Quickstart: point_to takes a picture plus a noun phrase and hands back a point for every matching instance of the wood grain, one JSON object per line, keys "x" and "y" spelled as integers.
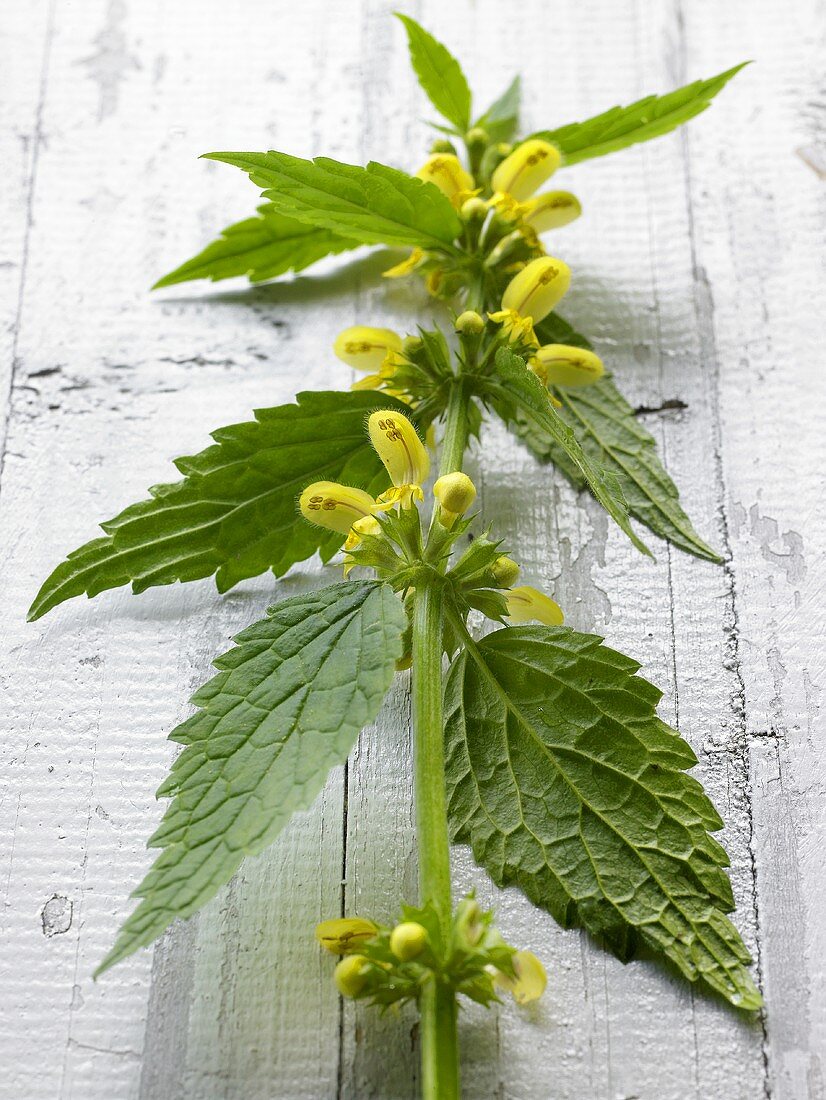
{"x": 698, "y": 272}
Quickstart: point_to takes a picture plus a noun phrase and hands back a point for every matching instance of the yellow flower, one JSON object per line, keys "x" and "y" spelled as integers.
{"x": 561, "y": 365}
{"x": 404, "y": 456}
{"x": 526, "y": 604}
{"x": 336, "y": 507}
{"x": 551, "y": 210}
{"x": 351, "y": 975}
{"x": 518, "y": 329}
{"x": 345, "y": 934}
{"x": 506, "y": 206}
{"x": 537, "y": 288}
{"x": 407, "y": 266}
{"x": 368, "y": 525}
{"x": 527, "y": 168}
{"x": 366, "y": 348}
{"x": 446, "y": 172}
{"x": 407, "y": 940}
{"x": 455, "y": 494}
{"x": 530, "y": 981}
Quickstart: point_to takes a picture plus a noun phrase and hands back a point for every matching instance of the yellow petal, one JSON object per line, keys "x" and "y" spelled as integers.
{"x": 345, "y": 934}
{"x": 369, "y": 525}
{"x": 397, "y": 444}
{"x": 527, "y": 604}
{"x": 366, "y": 348}
{"x": 551, "y": 210}
{"x": 336, "y": 507}
{"x": 406, "y": 266}
{"x": 446, "y": 172}
{"x": 537, "y": 288}
{"x": 530, "y": 981}
{"x": 519, "y": 330}
{"x": 563, "y": 365}
{"x": 527, "y": 168}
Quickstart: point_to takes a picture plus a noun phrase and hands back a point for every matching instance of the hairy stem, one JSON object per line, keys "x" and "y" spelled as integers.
{"x": 437, "y": 1005}
{"x": 456, "y": 430}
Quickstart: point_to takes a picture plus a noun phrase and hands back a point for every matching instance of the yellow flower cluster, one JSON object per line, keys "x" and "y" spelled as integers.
{"x": 351, "y": 511}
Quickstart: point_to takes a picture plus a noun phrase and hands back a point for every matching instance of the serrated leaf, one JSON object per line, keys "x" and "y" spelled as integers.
{"x": 439, "y": 73}
{"x": 372, "y": 205}
{"x": 502, "y": 117}
{"x": 643, "y": 120}
{"x": 234, "y": 514}
{"x": 285, "y": 708}
{"x": 517, "y": 392}
{"x": 565, "y": 783}
{"x": 262, "y": 247}
{"x": 612, "y": 436}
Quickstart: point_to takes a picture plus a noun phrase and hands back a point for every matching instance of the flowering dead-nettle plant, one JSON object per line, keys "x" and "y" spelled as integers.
{"x": 540, "y": 747}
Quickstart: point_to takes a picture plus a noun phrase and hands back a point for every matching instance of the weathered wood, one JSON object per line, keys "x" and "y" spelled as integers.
{"x": 697, "y": 267}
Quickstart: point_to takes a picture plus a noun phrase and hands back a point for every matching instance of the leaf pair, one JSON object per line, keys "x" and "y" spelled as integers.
{"x": 559, "y": 774}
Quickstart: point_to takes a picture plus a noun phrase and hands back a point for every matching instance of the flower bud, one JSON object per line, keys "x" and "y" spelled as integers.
{"x": 397, "y": 444}
{"x": 551, "y": 210}
{"x": 468, "y": 922}
{"x": 476, "y": 139}
{"x": 470, "y": 323}
{"x": 505, "y": 571}
{"x": 561, "y": 365}
{"x": 442, "y": 145}
{"x": 455, "y": 494}
{"x": 336, "y": 507}
{"x": 527, "y": 168}
{"x": 366, "y": 348}
{"x": 473, "y": 210}
{"x": 345, "y": 934}
{"x": 537, "y": 288}
{"x": 446, "y": 172}
{"x": 526, "y": 605}
{"x": 530, "y": 978}
{"x": 408, "y": 940}
{"x": 351, "y": 975}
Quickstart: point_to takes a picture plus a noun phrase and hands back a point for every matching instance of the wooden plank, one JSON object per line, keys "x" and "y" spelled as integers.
{"x": 759, "y": 267}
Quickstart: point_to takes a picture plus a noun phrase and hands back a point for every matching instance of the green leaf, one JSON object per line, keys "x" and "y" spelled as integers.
{"x": 372, "y": 205}
{"x": 565, "y": 783}
{"x": 234, "y": 514}
{"x": 262, "y": 247}
{"x": 502, "y": 117}
{"x": 439, "y": 73}
{"x": 613, "y": 438}
{"x": 520, "y": 396}
{"x": 285, "y": 707}
{"x": 648, "y": 118}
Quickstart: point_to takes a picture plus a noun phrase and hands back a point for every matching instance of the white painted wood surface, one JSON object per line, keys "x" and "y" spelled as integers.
{"x": 698, "y": 268}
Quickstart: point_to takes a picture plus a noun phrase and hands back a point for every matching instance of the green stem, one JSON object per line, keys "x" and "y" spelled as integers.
{"x": 456, "y": 430}
{"x": 437, "y": 1004}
